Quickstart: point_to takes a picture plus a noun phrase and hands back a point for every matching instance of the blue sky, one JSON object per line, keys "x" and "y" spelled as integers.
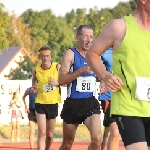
{"x": 59, "y": 7}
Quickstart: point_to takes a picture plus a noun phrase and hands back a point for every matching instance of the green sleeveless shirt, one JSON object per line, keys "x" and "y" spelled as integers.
{"x": 131, "y": 60}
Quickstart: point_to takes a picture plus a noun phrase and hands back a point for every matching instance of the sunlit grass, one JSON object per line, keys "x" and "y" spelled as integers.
{"x": 5, "y": 132}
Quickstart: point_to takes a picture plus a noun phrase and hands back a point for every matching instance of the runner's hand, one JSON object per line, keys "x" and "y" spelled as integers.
{"x": 103, "y": 88}
{"x": 53, "y": 82}
{"x": 113, "y": 83}
{"x": 27, "y": 110}
{"x": 34, "y": 89}
{"x": 87, "y": 69}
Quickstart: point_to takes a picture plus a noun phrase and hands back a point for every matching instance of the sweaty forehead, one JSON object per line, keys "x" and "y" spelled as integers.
{"x": 87, "y": 31}
{"x": 45, "y": 53}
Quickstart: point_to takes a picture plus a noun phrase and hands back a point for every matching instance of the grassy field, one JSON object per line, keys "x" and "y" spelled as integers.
{"x": 5, "y": 132}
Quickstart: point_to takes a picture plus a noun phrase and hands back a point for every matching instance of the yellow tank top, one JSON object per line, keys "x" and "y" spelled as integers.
{"x": 131, "y": 61}
{"x": 47, "y": 94}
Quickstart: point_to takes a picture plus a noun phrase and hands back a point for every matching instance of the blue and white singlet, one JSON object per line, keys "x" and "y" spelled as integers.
{"x": 85, "y": 85}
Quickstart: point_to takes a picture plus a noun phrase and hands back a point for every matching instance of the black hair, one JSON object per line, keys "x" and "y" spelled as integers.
{"x": 44, "y": 48}
{"x": 79, "y": 29}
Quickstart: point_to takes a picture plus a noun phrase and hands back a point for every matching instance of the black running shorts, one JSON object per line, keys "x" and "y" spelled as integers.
{"x": 50, "y": 110}
{"x": 77, "y": 110}
{"x": 31, "y": 115}
{"x": 106, "y": 109}
{"x": 134, "y": 129}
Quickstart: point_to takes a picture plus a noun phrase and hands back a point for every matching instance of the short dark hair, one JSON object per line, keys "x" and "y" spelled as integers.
{"x": 80, "y": 28}
{"x": 15, "y": 93}
{"x": 44, "y": 48}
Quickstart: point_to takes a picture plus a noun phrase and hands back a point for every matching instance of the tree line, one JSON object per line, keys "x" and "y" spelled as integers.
{"x": 33, "y": 29}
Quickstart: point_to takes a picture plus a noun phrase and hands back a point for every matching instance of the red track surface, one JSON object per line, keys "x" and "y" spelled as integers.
{"x": 55, "y": 146}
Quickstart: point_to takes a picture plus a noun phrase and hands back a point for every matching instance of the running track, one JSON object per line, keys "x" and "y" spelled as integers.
{"x": 55, "y": 146}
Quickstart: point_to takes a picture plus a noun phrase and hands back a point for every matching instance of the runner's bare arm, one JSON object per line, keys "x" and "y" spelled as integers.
{"x": 58, "y": 67}
{"x": 65, "y": 76}
{"x": 54, "y": 82}
{"x": 34, "y": 80}
{"x": 24, "y": 96}
{"x": 34, "y": 83}
{"x": 111, "y": 36}
{"x": 11, "y": 103}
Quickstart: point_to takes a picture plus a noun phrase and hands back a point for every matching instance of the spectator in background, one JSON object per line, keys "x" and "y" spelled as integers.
{"x": 16, "y": 116}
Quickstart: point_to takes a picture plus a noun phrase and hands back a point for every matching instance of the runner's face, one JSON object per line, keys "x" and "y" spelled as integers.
{"x": 85, "y": 40}
{"x": 45, "y": 58}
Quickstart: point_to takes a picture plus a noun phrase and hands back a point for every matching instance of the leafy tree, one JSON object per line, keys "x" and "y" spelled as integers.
{"x": 133, "y": 5}
{"x": 98, "y": 19}
{"x": 10, "y": 32}
{"x": 37, "y": 22}
{"x": 18, "y": 33}
{"x": 23, "y": 71}
{"x": 47, "y": 29}
{"x": 76, "y": 17}
{"x": 23, "y": 33}
{"x": 34, "y": 29}
{"x": 104, "y": 17}
{"x": 4, "y": 20}
{"x": 121, "y": 10}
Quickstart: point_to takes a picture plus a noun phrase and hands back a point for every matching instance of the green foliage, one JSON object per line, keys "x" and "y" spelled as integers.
{"x": 4, "y": 20}
{"x": 133, "y": 5}
{"x": 47, "y": 29}
{"x": 99, "y": 19}
{"x": 23, "y": 71}
{"x": 121, "y": 10}
{"x": 34, "y": 29}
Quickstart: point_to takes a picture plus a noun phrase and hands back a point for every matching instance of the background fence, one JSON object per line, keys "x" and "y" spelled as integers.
{"x": 7, "y": 87}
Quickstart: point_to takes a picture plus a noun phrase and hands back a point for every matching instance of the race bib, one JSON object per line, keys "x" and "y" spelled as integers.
{"x": 86, "y": 84}
{"x": 48, "y": 88}
{"x": 142, "y": 88}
